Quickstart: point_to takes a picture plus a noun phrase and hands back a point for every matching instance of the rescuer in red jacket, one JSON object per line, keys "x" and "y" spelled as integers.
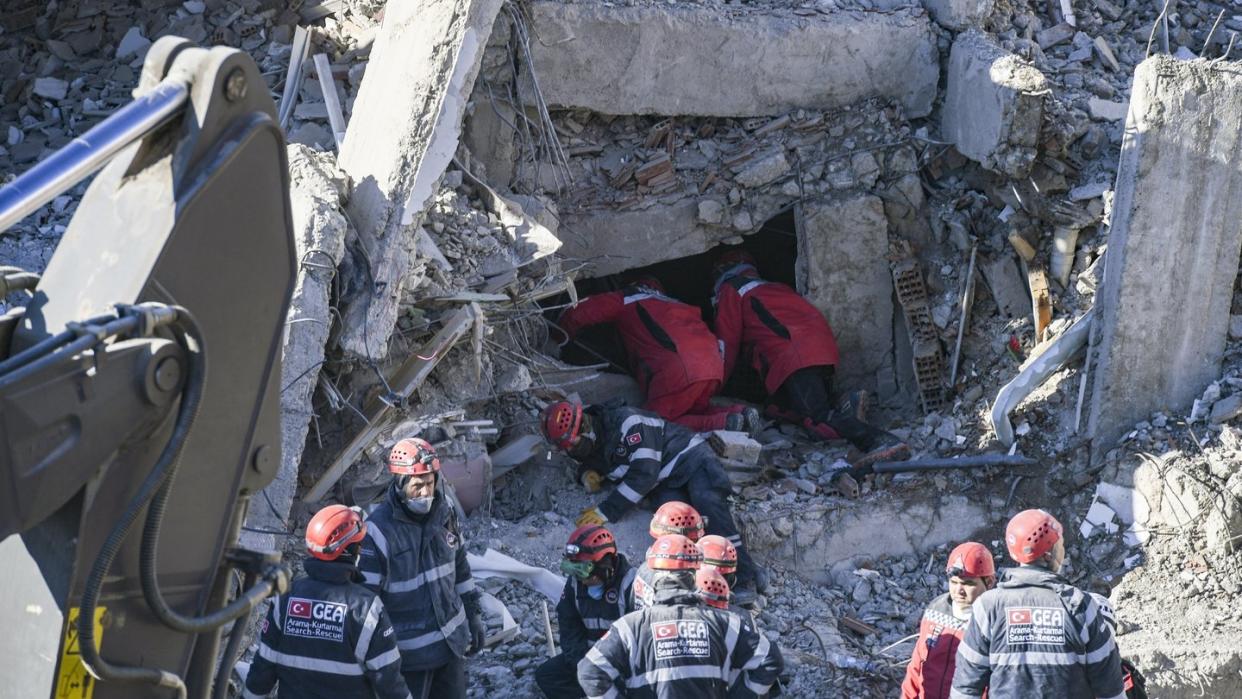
{"x": 672, "y": 353}
{"x": 930, "y": 672}
{"x": 788, "y": 342}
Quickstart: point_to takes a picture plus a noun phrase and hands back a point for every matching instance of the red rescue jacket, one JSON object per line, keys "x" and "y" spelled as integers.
{"x": 668, "y": 344}
{"x": 930, "y": 672}
{"x": 771, "y": 326}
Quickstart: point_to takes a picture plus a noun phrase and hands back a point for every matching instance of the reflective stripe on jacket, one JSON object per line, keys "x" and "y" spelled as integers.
{"x": 1034, "y": 636}
{"x": 327, "y": 637}
{"x": 680, "y": 651}
{"x": 417, "y": 564}
{"x": 640, "y": 450}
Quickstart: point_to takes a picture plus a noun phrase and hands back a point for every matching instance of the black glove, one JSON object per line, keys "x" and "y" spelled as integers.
{"x": 474, "y": 617}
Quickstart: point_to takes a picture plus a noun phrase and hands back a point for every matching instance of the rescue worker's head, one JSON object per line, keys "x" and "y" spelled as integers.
{"x": 567, "y": 427}
{"x": 335, "y": 533}
{"x": 971, "y": 572}
{"x": 676, "y": 517}
{"x": 590, "y": 557}
{"x": 649, "y": 283}
{"x": 414, "y": 463}
{"x": 673, "y": 560}
{"x": 1034, "y": 537}
{"x": 720, "y": 555}
{"x": 733, "y": 261}
{"x": 712, "y": 588}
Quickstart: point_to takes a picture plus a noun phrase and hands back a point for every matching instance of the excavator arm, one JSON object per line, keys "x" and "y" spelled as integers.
{"x": 139, "y": 388}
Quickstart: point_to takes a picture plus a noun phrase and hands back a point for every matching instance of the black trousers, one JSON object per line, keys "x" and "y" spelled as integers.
{"x": 557, "y": 677}
{"x": 445, "y": 682}
{"x": 807, "y": 394}
{"x": 707, "y": 490}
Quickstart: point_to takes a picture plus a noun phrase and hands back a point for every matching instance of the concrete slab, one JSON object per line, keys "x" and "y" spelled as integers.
{"x": 687, "y": 60}
{"x": 1174, "y": 244}
{"x": 614, "y": 241}
{"x": 993, "y": 105}
{"x": 842, "y": 268}
{"x": 402, "y": 134}
{"x": 959, "y": 14}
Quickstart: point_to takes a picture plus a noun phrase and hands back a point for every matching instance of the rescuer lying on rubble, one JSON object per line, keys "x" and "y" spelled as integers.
{"x": 328, "y": 636}
{"x": 413, "y": 556}
{"x": 929, "y": 675}
{"x": 1035, "y": 636}
{"x": 597, "y": 593}
{"x": 672, "y": 353}
{"x": 680, "y": 648}
{"x": 789, "y": 343}
{"x": 647, "y": 457}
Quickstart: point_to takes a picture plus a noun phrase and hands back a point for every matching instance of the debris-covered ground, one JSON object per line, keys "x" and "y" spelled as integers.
{"x": 850, "y": 577}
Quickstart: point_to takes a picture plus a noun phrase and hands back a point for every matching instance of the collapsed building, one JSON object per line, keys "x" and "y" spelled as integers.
{"x": 1020, "y": 220}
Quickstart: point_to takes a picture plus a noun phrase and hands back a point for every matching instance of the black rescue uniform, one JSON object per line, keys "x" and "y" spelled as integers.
{"x": 417, "y": 564}
{"x": 647, "y": 456}
{"x": 1035, "y": 636}
{"x": 680, "y": 649}
{"x": 328, "y": 637}
{"x": 583, "y": 620}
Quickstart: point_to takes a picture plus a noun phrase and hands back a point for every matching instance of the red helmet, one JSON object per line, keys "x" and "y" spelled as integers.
{"x": 971, "y": 560}
{"x": 712, "y": 588}
{"x": 730, "y": 259}
{"x": 675, "y": 517}
{"x": 561, "y": 423}
{"x": 673, "y": 552}
{"x": 590, "y": 542}
{"x": 1031, "y": 534}
{"x": 332, "y": 530}
{"x": 413, "y": 456}
{"x": 719, "y": 553}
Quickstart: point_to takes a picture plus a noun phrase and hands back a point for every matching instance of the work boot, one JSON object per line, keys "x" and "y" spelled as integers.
{"x": 744, "y": 593}
{"x": 748, "y": 421}
{"x": 887, "y": 448}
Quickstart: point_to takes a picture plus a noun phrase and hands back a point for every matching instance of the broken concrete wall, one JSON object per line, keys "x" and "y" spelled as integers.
{"x": 843, "y": 270}
{"x": 316, "y": 192}
{"x": 1174, "y": 244}
{"x": 679, "y": 59}
{"x": 402, "y": 135}
{"x": 993, "y": 106}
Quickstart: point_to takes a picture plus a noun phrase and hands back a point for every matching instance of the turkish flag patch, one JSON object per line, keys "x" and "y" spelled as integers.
{"x": 634, "y": 439}
{"x": 663, "y": 630}
{"x": 1019, "y": 616}
{"x": 300, "y": 608}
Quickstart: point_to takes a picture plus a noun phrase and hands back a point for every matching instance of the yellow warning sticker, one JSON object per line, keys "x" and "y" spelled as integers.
{"x": 72, "y": 680}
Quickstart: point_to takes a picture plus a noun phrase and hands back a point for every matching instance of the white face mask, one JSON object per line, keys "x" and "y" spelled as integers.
{"x": 420, "y": 506}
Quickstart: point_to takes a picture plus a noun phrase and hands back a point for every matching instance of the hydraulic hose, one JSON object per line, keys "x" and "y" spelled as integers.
{"x": 164, "y": 465}
{"x": 88, "y": 335}
{"x": 46, "y": 346}
{"x": 229, "y": 659}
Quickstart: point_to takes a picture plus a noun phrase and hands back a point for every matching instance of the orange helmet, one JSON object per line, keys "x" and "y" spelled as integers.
{"x": 1031, "y": 534}
{"x": 561, "y": 423}
{"x": 673, "y": 552}
{"x": 332, "y": 530}
{"x": 413, "y": 456}
{"x": 590, "y": 542}
{"x": 712, "y": 588}
{"x": 675, "y": 517}
{"x": 719, "y": 553}
{"x": 971, "y": 560}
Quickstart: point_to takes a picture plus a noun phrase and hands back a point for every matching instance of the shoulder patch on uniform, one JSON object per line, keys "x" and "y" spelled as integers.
{"x": 633, "y": 439}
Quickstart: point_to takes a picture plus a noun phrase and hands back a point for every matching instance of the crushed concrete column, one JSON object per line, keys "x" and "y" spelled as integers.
{"x": 1173, "y": 246}
{"x": 994, "y": 105}
{"x": 678, "y": 59}
{"x": 402, "y": 135}
{"x": 843, "y": 270}
{"x": 316, "y": 195}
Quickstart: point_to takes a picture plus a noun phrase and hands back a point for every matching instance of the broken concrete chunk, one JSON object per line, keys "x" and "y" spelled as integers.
{"x": 763, "y": 170}
{"x": 735, "y": 445}
{"x": 1235, "y": 327}
{"x": 1054, "y": 35}
{"x": 711, "y": 211}
{"x": 1226, "y": 409}
{"x": 1089, "y": 191}
{"x": 994, "y": 105}
{"x": 959, "y": 14}
{"x": 51, "y": 88}
{"x": 1002, "y": 277}
{"x": 1106, "y": 53}
{"x": 1104, "y": 110}
{"x": 132, "y": 44}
